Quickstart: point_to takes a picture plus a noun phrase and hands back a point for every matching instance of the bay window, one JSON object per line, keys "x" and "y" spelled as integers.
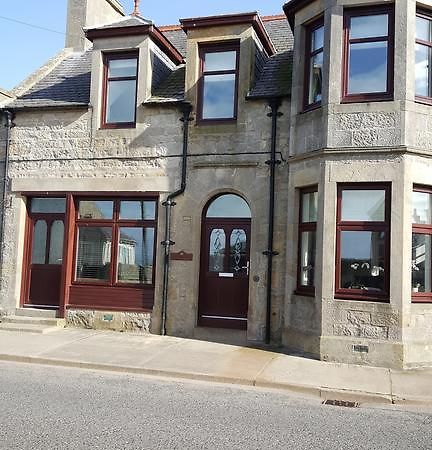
{"x": 314, "y": 64}
{"x": 363, "y": 239}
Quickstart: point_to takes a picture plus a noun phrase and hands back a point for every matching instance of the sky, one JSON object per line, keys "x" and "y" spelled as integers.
{"x": 25, "y": 49}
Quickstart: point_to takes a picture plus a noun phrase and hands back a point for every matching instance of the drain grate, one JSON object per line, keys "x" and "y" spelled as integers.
{"x": 344, "y": 403}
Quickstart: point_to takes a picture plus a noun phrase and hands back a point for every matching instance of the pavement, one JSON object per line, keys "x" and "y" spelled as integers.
{"x": 166, "y": 356}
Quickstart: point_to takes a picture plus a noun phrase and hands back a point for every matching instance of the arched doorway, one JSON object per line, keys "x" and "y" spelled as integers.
{"x": 224, "y": 270}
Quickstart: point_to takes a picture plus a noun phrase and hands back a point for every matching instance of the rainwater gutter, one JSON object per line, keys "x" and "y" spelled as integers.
{"x": 169, "y": 204}
{"x": 274, "y": 104}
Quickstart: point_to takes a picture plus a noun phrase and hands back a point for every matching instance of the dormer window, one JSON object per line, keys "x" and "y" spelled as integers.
{"x": 314, "y": 64}
{"x": 218, "y": 86}
{"x": 119, "y": 92}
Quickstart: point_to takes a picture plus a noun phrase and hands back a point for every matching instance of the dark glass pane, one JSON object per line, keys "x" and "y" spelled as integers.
{"x": 39, "y": 242}
{"x": 96, "y": 209}
{"x": 309, "y": 207}
{"x": 307, "y": 258}
{"x": 122, "y": 68}
{"x": 121, "y": 101}
{"x": 56, "y": 244}
{"x": 367, "y": 68}
{"x": 94, "y": 253}
{"x": 422, "y": 56}
{"x": 220, "y": 61}
{"x": 219, "y": 96}
{"x": 423, "y": 29}
{"x": 135, "y": 255}
{"x": 317, "y": 39}
{"x": 217, "y": 250}
{"x": 421, "y": 263}
{"x": 422, "y": 207}
{"x": 229, "y": 205}
{"x": 238, "y": 262}
{"x": 369, "y": 26}
{"x": 363, "y": 260}
{"x": 48, "y": 205}
{"x": 366, "y": 205}
{"x": 137, "y": 210}
{"x": 315, "y": 78}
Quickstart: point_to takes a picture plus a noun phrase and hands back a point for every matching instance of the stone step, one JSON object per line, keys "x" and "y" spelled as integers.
{"x": 36, "y": 312}
{"x": 45, "y": 321}
{"x": 27, "y": 328}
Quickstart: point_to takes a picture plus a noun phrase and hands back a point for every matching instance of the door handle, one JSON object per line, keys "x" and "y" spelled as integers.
{"x": 246, "y": 267}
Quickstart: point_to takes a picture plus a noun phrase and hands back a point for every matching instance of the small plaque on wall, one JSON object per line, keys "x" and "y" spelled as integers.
{"x": 181, "y": 256}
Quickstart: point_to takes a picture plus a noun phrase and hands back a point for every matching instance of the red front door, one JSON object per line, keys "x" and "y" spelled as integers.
{"x": 224, "y": 277}
{"x": 46, "y": 241}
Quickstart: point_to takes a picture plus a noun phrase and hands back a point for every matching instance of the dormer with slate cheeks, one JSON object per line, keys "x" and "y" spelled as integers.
{"x": 225, "y": 55}
{"x": 129, "y": 58}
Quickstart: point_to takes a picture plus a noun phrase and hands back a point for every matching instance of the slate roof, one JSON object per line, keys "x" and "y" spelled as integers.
{"x": 128, "y": 21}
{"x": 69, "y": 83}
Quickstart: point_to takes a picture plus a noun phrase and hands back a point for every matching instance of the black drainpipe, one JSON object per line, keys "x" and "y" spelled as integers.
{"x": 169, "y": 203}
{"x": 9, "y": 116}
{"x": 274, "y": 104}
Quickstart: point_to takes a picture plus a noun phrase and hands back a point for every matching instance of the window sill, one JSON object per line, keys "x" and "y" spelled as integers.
{"x": 117, "y": 126}
{"x": 360, "y": 296}
{"x": 425, "y": 297}
{"x": 423, "y": 100}
{"x": 365, "y": 98}
{"x": 212, "y": 122}
{"x": 310, "y": 108}
{"x": 304, "y": 293}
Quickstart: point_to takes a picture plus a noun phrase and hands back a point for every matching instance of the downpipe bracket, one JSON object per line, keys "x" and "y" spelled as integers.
{"x": 270, "y": 253}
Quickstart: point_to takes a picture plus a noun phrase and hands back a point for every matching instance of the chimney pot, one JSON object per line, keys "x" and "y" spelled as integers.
{"x": 136, "y": 8}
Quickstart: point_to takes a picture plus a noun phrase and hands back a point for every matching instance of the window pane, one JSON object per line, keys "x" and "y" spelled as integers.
{"x": 122, "y": 68}
{"x": 369, "y": 26}
{"x": 135, "y": 255}
{"x": 421, "y": 263}
{"x": 362, "y": 260}
{"x": 363, "y": 205}
{"x": 229, "y": 205}
{"x": 219, "y": 95}
{"x": 56, "y": 244}
{"x": 317, "y": 39}
{"x": 315, "y": 78}
{"x": 307, "y": 258}
{"x": 367, "y": 67}
{"x": 422, "y": 57}
{"x": 121, "y": 101}
{"x": 309, "y": 207}
{"x": 220, "y": 61}
{"x": 422, "y": 207}
{"x": 238, "y": 256}
{"x": 423, "y": 29}
{"x": 48, "y": 205}
{"x": 94, "y": 253}
{"x": 39, "y": 242}
{"x": 217, "y": 250}
{"x": 96, "y": 209}
{"x": 137, "y": 210}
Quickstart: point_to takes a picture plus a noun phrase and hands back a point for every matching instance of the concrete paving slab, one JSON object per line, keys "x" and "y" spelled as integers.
{"x": 412, "y": 385}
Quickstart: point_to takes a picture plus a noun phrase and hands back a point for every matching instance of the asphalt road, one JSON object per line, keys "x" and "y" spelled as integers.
{"x": 58, "y": 408}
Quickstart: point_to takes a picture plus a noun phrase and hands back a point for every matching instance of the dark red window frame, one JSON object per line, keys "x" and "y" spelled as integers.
{"x": 309, "y": 54}
{"x": 214, "y": 48}
{"x": 384, "y": 226}
{"x": 107, "y": 57}
{"x": 115, "y": 223}
{"x": 421, "y": 228}
{"x": 302, "y": 227}
{"x": 368, "y": 11}
{"x": 421, "y": 98}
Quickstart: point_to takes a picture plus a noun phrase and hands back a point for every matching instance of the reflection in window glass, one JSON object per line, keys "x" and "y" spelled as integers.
{"x": 135, "y": 255}
{"x": 219, "y": 95}
{"x": 422, "y": 208}
{"x": 217, "y": 250}
{"x": 315, "y": 79}
{"x": 48, "y": 205}
{"x": 362, "y": 260}
{"x": 317, "y": 39}
{"x": 220, "y": 61}
{"x": 39, "y": 242}
{"x": 120, "y": 105}
{"x": 229, "y": 205}
{"x": 238, "y": 256}
{"x": 307, "y": 258}
{"x": 363, "y": 205}
{"x": 421, "y": 263}
{"x": 309, "y": 207}
{"x": 119, "y": 68}
{"x": 137, "y": 210}
{"x": 96, "y": 209}
{"x": 369, "y": 26}
{"x": 367, "y": 67}
{"x": 423, "y": 57}
{"x": 56, "y": 243}
{"x": 94, "y": 253}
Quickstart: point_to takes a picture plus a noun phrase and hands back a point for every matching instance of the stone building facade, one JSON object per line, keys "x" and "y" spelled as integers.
{"x": 234, "y": 177}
